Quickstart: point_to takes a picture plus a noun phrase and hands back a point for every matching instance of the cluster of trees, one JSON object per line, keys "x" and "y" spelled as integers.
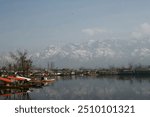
{"x": 21, "y": 62}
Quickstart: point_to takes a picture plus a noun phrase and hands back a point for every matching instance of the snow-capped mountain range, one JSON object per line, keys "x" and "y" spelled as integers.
{"x": 93, "y": 54}
{"x": 97, "y": 53}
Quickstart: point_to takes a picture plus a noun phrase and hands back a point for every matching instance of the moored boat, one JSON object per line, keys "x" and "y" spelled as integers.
{"x": 42, "y": 81}
{"x": 15, "y": 78}
{"x": 48, "y": 80}
{"x": 6, "y": 80}
{"x": 28, "y": 79}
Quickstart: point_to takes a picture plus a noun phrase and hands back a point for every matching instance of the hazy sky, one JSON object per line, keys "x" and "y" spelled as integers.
{"x": 34, "y": 24}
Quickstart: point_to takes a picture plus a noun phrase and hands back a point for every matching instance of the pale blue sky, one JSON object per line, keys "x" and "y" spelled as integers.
{"x": 35, "y": 24}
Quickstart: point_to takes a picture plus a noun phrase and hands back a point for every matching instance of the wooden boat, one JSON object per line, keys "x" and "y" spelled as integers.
{"x": 48, "y": 80}
{"x": 42, "y": 81}
{"x": 15, "y": 78}
{"x": 28, "y": 79}
{"x": 6, "y": 80}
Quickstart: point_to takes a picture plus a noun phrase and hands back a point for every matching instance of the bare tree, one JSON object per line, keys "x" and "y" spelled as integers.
{"x": 21, "y": 61}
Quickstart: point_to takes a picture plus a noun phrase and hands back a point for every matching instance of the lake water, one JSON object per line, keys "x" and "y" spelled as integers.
{"x": 87, "y": 88}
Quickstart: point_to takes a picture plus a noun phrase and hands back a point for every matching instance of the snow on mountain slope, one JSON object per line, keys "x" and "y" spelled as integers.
{"x": 98, "y": 53}
{"x": 93, "y": 53}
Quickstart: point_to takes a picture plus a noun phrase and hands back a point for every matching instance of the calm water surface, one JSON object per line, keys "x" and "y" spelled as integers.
{"x": 88, "y": 88}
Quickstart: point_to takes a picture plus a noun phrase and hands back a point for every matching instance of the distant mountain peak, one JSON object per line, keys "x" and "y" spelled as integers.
{"x": 94, "y": 53}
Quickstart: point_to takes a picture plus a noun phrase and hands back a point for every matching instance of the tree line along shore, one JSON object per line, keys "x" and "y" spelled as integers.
{"x": 23, "y": 65}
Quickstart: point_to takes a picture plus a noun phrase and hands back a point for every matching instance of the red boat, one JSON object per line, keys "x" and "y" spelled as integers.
{"x": 6, "y": 80}
{"x": 15, "y": 78}
{"x": 28, "y": 79}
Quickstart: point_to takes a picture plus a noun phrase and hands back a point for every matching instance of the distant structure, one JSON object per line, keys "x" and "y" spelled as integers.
{"x": 51, "y": 65}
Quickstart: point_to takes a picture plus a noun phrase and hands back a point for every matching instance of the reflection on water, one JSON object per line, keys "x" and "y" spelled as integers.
{"x": 12, "y": 94}
{"x": 94, "y": 88}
